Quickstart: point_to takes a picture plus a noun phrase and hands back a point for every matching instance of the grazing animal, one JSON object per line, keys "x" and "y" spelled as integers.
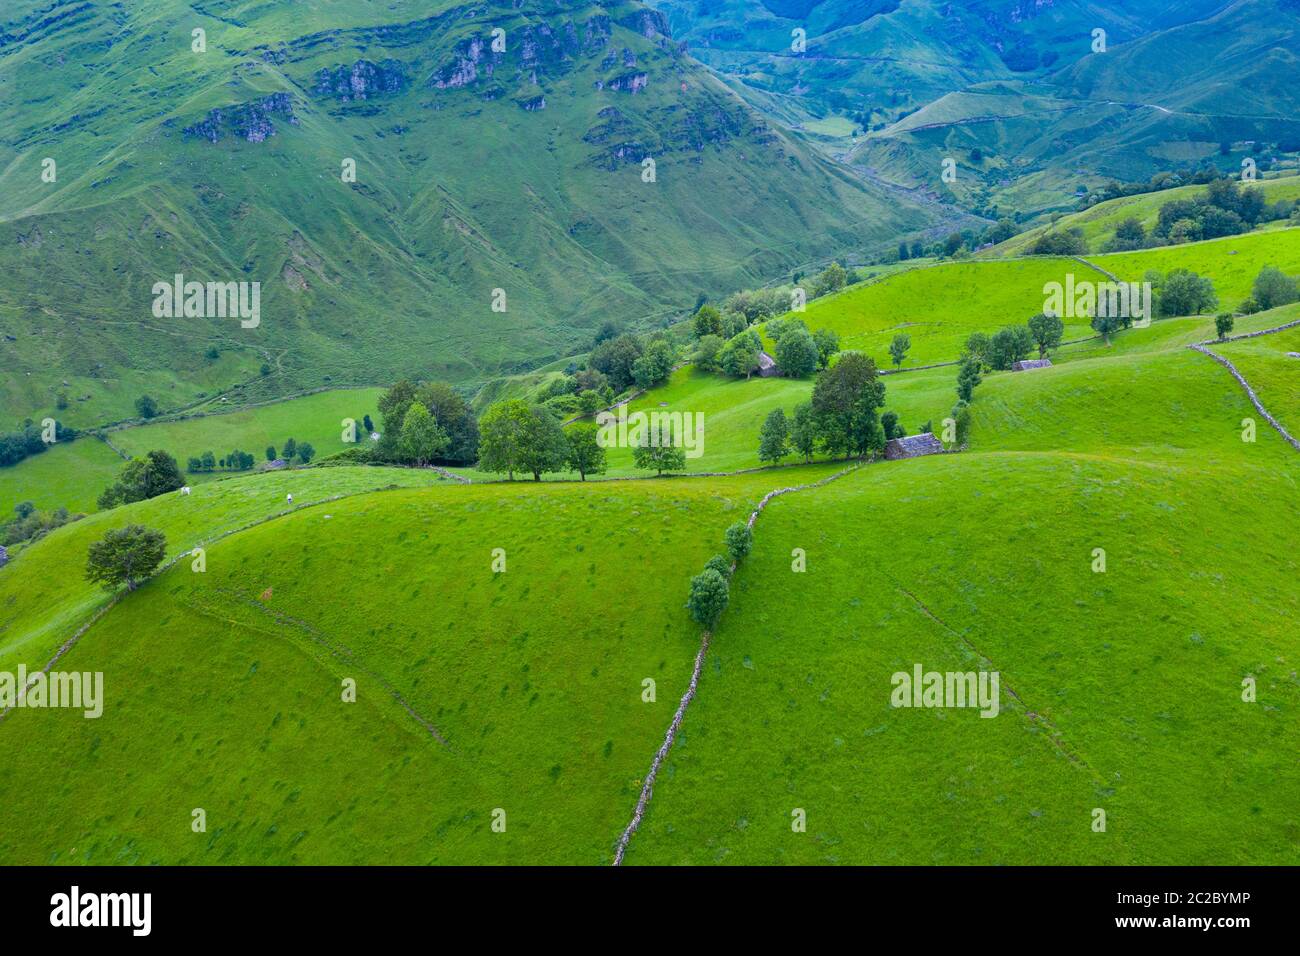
{"x": 185, "y": 490}
{"x": 289, "y": 498}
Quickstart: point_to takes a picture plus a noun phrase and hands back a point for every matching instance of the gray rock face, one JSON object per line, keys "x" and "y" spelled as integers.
{"x": 360, "y": 81}
{"x": 249, "y": 121}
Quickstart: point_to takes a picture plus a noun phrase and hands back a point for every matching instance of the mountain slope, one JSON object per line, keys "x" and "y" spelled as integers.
{"x": 475, "y": 170}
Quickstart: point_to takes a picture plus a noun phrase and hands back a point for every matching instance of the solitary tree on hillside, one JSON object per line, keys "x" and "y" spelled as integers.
{"x": 898, "y": 348}
{"x": 846, "y": 399}
{"x": 125, "y": 556}
{"x": 146, "y": 406}
{"x": 1223, "y": 324}
{"x": 774, "y": 437}
{"x": 803, "y": 432}
{"x": 422, "y": 438}
{"x": 660, "y": 452}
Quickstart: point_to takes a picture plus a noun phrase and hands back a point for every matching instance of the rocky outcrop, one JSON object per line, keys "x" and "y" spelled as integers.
{"x": 249, "y": 121}
{"x": 360, "y": 81}
{"x": 533, "y": 104}
{"x": 625, "y": 83}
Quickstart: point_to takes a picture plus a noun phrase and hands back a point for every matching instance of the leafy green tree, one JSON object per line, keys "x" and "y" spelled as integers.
{"x": 720, "y": 564}
{"x": 803, "y": 431}
{"x": 980, "y": 348}
{"x": 962, "y": 419}
{"x": 654, "y": 364}
{"x": 125, "y": 556}
{"x": 1223, "y": 324}
{"x": 1009, "y": 345}
{"x": 774, "y": 437}
{"x": 846, "y": 399}
{"x": 270, "y": 453}
{"x": 290, "y": 448}
{"x": 1273, "y": 287}
{"x": 661, "y": 452}
{"x": 455, "y": 417}
{"x": 898, "y": 348}
{"x": 422, "y": 439}
{"x": 708, "y": 597}
{"x": 796, "y": 353}
{"x": 501, "y": 429}
{"x": 831, "y": 279}
{"x": 209, "y": 461}
{"x": 968, "y": 376}
{"x": 194, "y": 465}
{"x": 706, "y": 353}
{"x": 1183, "y": 292}
{"x": 585, "y": 455}
{"x": 708, "y": 321}
{"x": 146, "y": 406}
{"x": 739, "y": 539}
{"x": 1047, "y": 331}
{"x": 155, "y": 474}
{"x": 542, "y": 444}
{"x": 615, "y": 360}
{"x": 740, "y": 355}
{"x": 828, "y": 343}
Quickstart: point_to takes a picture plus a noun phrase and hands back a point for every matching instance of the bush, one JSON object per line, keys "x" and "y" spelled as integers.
{"x": 125, "y": 556}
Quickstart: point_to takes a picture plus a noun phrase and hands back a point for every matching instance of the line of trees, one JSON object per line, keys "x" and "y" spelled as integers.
{"x": 28, "y": 440}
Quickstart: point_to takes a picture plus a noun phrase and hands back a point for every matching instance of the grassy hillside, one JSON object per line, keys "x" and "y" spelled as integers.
{"x": 508, "y": 698}
{"x": 394, "y": 273}
{"x": 1126, "y": 684}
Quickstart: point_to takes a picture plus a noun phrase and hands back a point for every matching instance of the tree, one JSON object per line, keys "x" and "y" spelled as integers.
{"x": 708, "y": 597}
{"x": 961, "y": 419}
{"x": 740, "y": 355}
{"x": 209, "y": 461}
{"x": 1107, "y": 325}
{"x": 542, "y": 445}
{"x": 889, "y": 425}
{"x": 368, "y": 424}
{"x": 706, "y": 353}
{"x": 1009, "y": 345}
{"x": 1273, "y": 288}
{"x": 1223, "y": 324}
{"x": 660, "y": 451}
{"x": 979, "y": 347}
{"x": 1129, "y": 235}
{"x": 290, "y": 448}
{"x": 155, "y": 474}
{"x": 500, "y": 428}
{"x": 831, "y": 279}
{"x": 1183, "y": 292}
{"x": 194, "y": 465}
{"x": 739, "y": 539}
{"x": 455, "y": 417}
{"x": 270, "y": 453}
{"x": 828, "y": 343}
{"x": 797, "y": 353}
{"x": 774, "y": 437}
{"x": 584, "y": 455}
{"x": 968, "y": 376}
{"x": 125, "y": 556}
{"x": 653, "y": 365}
{"x": 422, "y": 438}
{"x": 146, "y": 406}
{"x": 898, "y": 348}
{"x": 1069, "y": 243}
{"x": 845, "y": 400}
{"x": 803, "y": 431}
{"x": 615, "y": 359}
{"x": 1047, "y": 331}
{"x": 952, "y": 245}
{"x": 708, "y": 321}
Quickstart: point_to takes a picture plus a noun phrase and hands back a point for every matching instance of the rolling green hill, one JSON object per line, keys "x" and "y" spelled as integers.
{"x": 475, "y": 170}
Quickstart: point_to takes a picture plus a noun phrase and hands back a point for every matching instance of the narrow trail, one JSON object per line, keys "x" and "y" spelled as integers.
{"x": 1203, "y": 348}
{"x": 647, "y": 788}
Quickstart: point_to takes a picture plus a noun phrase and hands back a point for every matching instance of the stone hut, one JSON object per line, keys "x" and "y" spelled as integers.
{"x": 913, "y": 446}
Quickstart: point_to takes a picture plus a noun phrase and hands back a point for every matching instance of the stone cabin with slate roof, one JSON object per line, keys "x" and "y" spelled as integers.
{"x": 913, "y": 446}
{"x": 1029, "y": 364}
{"x": 4, "y": 556}
{"x": 767, "y": 366}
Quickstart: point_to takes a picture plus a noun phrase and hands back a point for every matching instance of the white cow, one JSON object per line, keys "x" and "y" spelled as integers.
{"x": 185, "y": 490}
{"x": 289, "y": 498}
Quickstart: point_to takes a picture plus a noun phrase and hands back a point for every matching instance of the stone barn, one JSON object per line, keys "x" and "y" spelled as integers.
{"x": 767, "y": 366}
{"x": 4, "y": 556}
{"x": 1030, "y": 364}
{"x": 913, "y": 446}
